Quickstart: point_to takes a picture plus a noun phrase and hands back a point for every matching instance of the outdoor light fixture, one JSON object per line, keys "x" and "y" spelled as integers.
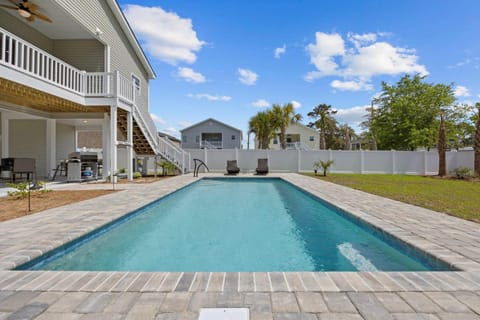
{"x": 24, "y": 13}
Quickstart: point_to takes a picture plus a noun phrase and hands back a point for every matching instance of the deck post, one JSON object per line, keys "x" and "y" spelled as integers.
{"x": 5, "y": 135}
{"x": 129, "y": 146}
{"x": 113, "y": 141}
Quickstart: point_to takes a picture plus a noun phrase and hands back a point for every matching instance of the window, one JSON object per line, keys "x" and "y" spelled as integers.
{"x": 184, "y": 139}
{"x": 312, "y": 138}
{"x": 136, "y": 83}
{"x": 275, "y": 141}
{"x": 233, "y": 137}
{"x": 197, "y": 139}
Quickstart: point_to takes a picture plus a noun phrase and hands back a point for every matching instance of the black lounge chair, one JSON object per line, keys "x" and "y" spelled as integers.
{"x": 262, "y": 167}
{"x": 232, "y": 167}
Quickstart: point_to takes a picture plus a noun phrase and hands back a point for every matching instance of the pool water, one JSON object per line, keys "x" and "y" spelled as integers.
{"x": 238, "y": 225}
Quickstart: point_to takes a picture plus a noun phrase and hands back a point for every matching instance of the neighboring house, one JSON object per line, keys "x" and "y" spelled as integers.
{"x": 211, "y": 134}
{"x": 84, "y": 71}
{"x": 299, "y": 137}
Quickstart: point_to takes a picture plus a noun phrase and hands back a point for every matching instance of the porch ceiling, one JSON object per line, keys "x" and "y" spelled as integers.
{"x": 28, "y": 97}
{"x": 63, "y": 26}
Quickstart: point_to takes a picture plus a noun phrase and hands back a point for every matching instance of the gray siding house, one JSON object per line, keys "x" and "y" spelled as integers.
{"x": 83, "y": 71}
{"x": 211, "y": 134}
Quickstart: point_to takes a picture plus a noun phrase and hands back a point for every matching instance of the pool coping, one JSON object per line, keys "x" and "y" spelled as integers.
{"x": 40, "y": 233}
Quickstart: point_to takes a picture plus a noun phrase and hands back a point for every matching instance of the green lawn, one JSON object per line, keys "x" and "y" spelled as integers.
{"x": 455, "y": 197}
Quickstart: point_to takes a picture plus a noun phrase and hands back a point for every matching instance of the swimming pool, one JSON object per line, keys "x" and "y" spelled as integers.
{"x": 235, "y": 224}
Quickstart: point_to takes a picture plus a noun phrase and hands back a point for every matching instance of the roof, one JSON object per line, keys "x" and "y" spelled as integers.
{"x": 118, "y": 13}
{"x": 302, "y": 125}
{"x": 172, "y": 138}
{"x": 214, "y": 120}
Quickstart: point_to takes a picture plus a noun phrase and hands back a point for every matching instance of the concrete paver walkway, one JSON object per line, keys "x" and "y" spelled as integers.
{"x": 268, "y": 295}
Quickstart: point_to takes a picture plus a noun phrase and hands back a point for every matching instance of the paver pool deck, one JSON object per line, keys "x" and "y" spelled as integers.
{"x": 268, "y": 295}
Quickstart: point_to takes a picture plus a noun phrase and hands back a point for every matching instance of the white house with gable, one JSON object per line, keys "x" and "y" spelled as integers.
{"x": 299, "y": 137}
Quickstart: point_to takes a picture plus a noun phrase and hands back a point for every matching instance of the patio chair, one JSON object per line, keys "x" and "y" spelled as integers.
{"x": 232, "y": 167}
{"x": 262, "y": 167}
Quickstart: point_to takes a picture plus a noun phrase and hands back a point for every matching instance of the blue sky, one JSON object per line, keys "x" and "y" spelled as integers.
{"x": 230, "y": 59}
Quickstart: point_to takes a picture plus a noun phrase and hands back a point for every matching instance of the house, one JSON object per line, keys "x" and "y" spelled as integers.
{"x": 82, "y": 72}
{"x": 299, "y": 137}
{"x": 211, "y": 134}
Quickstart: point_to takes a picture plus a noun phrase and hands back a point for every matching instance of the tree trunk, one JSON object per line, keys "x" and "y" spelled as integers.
{"x": 476, "y": 146}
{"x": 283, "y": 137}
{"x": 442, "y": 149}
{"x": 348, "y": 144}
{"x": 322, "y": 140}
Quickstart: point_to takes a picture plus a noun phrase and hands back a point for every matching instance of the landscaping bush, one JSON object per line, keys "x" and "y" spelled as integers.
{"x": 137, "y": 175}
{"x": 463, "y": 172}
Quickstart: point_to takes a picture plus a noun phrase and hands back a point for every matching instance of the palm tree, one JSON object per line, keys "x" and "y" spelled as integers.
{"x": 476, "y": 144}
{"x": 321, "y": 113}
{"x": 282, "y": 118}
{"x": 262, "y": 125}
{"x": 442, "y": 148}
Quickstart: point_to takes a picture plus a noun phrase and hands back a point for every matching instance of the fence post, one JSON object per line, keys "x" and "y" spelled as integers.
{"x": 361, "y": 162}
{"x": 393, "y": 162}
{"x": 299, "y": 160}
{"x": 425, "y": 164}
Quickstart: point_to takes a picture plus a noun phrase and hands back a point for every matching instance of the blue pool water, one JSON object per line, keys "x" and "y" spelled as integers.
{"x": 238, "y": 225}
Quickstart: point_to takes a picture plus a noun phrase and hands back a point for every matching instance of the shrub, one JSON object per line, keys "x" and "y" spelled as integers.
{"x": 463, "y": 172}
{"x": 137, "y": 175}
{"x": 122, "y": 170}
{"x": 322, "y": 164}
{"x": 21, "y": 191}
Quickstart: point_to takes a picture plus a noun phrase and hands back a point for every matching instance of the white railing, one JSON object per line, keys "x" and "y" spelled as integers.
{"x": 18, "y": 54}
{"x": 211, "y": 144}
{"x": 22, "y": 56}
{"x": 298, "y": 146}
{"x": 169, "y": 151}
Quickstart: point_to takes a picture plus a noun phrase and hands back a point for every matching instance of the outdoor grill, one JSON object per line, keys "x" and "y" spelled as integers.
{"x": 82, "y": 166}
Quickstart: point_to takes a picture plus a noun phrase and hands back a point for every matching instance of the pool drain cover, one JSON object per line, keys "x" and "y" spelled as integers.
{"x": 224, "y": 314}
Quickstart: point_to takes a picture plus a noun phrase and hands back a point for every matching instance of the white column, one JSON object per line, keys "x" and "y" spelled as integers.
{"x": 129, "y": 146}
{"x": 5, "y": 135}
{"x": 51, "y": 146}
{"x": 106, "y": 149}
{"x": 113, "y": 141}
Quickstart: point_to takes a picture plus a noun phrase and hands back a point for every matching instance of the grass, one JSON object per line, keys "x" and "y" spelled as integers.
{"x": 455, "y": 197}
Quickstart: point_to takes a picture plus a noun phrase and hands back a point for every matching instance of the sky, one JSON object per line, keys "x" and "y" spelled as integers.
{"x": 229, "y": 60}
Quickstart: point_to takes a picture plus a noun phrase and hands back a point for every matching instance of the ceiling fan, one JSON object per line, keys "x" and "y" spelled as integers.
{"x": 26, "y": 9}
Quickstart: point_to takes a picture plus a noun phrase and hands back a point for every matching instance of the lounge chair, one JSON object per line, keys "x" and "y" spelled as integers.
{"x": 262, "y": 167}
{"x": 232, "y": 167}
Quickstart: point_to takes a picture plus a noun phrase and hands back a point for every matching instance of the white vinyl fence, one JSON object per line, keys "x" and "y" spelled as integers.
{"x": 396, "y": 162}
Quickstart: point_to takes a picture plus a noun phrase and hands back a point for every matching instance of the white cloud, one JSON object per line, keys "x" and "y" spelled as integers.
{"x": 323, "y": 51}
{"x": 359, "y": 40}
{"x": 164, "y": 35}
{"x": 461, "y": 91}
{"x": 279, "y": 51}
{"x": 171, "y": 131}
{"x": 261, "y": 103}
{"x": 295, "y": 104}
{"x": 247, "y": 77}
{"x": 185, "y": 124}
{"x": 157, "y": 119}
{"x": 190, "y": 76}
{"x": 353, "y": 85}
{"x": 209, "y": 97}
{"x": 357, "y": 64}
{"x": 352, "y": 116}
